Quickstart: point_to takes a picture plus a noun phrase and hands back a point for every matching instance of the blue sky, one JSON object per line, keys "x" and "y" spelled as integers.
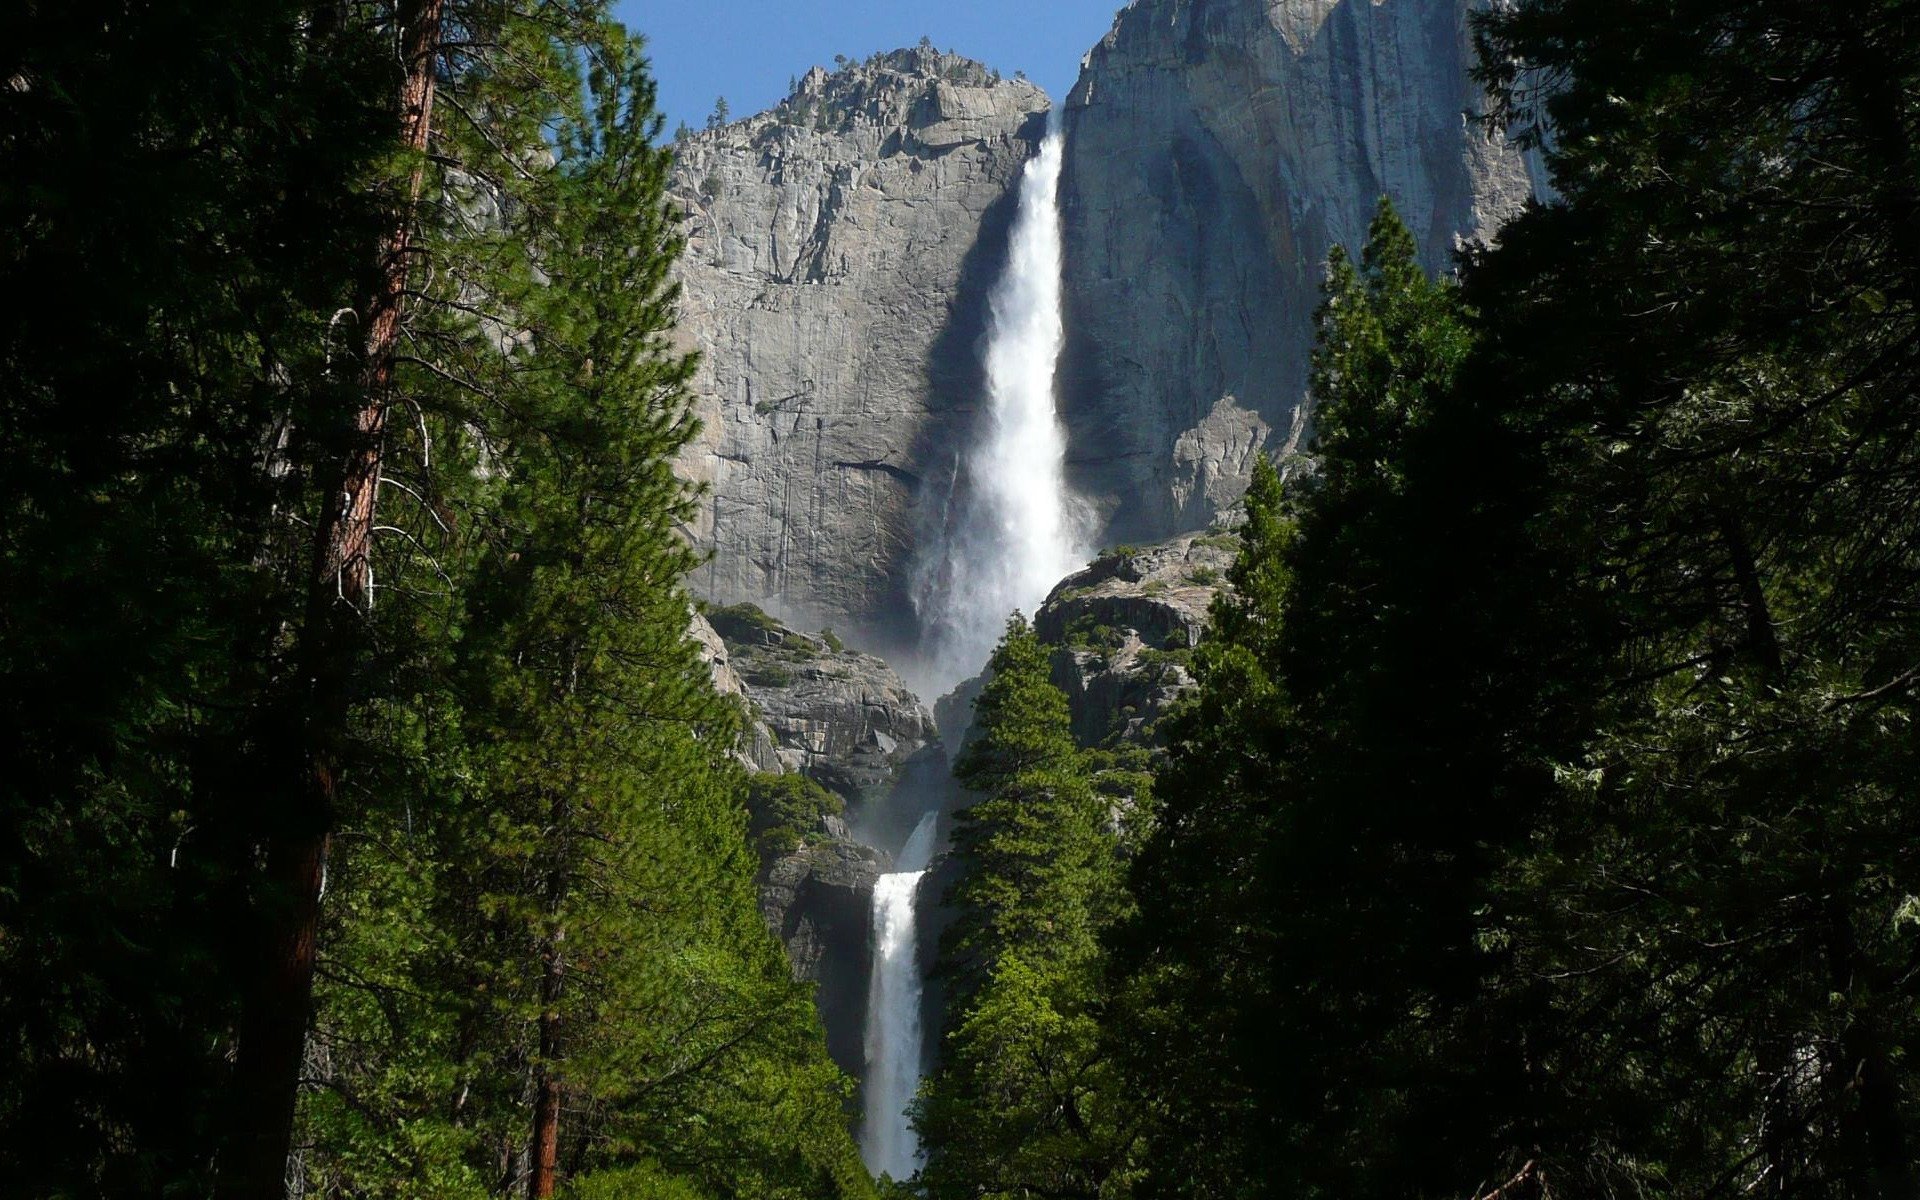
{"x": 745, "y": 49}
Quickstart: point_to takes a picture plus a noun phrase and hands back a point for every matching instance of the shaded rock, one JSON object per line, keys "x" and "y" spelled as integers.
{"x": 1216, "y": 149}
{"x": 845, "y": 720}
{"x": 819, "y": 901}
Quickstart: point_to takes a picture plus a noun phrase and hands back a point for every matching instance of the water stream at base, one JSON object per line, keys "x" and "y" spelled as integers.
{"x": 893, "y": 1042}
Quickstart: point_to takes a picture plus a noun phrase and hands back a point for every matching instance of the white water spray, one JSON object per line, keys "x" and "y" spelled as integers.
{"x": 893, "y": 1044}
{"x": 1018, "y": 529}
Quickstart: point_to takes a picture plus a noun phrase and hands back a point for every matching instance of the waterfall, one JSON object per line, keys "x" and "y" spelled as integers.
{"x": 893, "y": 1043}
{"x": 1014, "y": 529}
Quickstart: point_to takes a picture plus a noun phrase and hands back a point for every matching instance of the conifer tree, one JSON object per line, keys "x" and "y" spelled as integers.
{"x": 184, "y": 190}
{"x": 1339, "y": 796}
{"x": 554, "y": 902}
{"x": 297, "y": 824}
{"x": 1719, "y": 896}
{"x": 1023, "y": 1101}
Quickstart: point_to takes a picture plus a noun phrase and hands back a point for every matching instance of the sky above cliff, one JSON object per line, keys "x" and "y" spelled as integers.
{"x": 746, "y": 50}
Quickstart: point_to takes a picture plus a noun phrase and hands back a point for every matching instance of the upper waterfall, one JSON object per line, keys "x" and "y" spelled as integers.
{"x": 1015, "y": 529}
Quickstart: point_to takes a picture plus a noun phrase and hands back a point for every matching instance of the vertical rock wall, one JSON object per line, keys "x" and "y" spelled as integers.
{"x": 840, "y": 250}
{"x": 1216, "y": 150}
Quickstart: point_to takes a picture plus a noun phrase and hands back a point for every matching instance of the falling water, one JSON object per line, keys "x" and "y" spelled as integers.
{"x": 893, "y": 1047}
{"x": 1017, "y": 529}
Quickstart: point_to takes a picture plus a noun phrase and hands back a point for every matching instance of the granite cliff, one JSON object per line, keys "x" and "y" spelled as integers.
{"x": 844, "y": 720}
{"x": 840, "y": 249}
{"x": 1216, "y": 149}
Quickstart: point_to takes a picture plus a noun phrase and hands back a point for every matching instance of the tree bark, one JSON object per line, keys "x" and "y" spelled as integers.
{"x": 553, "y": 973}
{"x": 546, "y": 1086}
{"x": 1763, "y": 644}
{"x": 1866, "y": 1091}
{"x": 273, "y": 1026}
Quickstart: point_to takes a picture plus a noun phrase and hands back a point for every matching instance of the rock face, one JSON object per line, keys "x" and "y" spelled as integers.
{"x": 1216, "y": 149}
{"x": 1123, "y": 631}
{"x": 757, "y": 750}
{"x": 840, "y": 250}
{"x": 837, "y": 715}
{"x": 819, "y": 902}
{"x": 845, "y": 720}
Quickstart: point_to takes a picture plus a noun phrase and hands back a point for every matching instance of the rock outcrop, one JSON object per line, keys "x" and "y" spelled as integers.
{"x": 1122, "y": 632}
{"x": 845, "y": 720}
{"x": 1216, "y": 149}
{"x": 840, "y": 250}
{"x": 841, "y": 717}
{"x": 819, "y": 901}
{"x": 757, "y": 750}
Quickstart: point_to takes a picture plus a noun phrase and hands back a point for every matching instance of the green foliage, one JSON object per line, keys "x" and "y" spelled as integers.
{"x": 1023, "y": 1102}
{"x": 185, "y": 190}
{"x": 784, "y": 810}
{"x": 557, "y": 890}
{"x": 1736, "y": 484}
{"x": 769, "y": 674}
{"x": 1544, "y": 820}
{"x": 743, "y": 621}
{"x": 1088, "y": 632}
{"x": 1336, "y": 794}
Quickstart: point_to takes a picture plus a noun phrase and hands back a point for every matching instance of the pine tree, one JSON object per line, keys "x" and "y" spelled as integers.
{"x": 1023, "y": 1101}
{"x": 179, "y": 182}
{"x": 296, "y": 829}
{"x": 1720, "y": 890}
{"x": 1340, "y": 797}
{"x": 561, "y": 918}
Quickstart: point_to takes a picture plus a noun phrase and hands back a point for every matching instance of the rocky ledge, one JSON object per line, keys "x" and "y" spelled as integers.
{"x": 840, "y": 717}
{"x": 844, "y": 720}
{"x": 1123, "y": 632}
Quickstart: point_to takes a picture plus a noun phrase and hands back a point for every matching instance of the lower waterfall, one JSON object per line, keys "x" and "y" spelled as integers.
{"x": 893, "y": 1042}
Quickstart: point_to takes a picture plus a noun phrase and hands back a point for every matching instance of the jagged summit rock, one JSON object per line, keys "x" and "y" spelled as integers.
{"x": 840, "y": 250}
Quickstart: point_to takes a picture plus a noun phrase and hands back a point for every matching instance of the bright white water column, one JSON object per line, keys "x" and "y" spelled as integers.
{"x": 893, "y": 1049}
{"x": 1018, "y": 530}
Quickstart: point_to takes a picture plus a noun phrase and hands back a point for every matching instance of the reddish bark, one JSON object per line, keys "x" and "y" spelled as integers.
{"x": 274, "y": 1025}
{"x": 546, "y": 1079}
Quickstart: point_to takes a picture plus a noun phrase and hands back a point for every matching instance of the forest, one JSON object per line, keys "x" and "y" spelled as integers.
{"x": 1544, "y": 823}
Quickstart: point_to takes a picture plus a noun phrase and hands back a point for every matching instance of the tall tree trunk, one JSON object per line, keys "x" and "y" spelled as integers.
{"x": 273, "y": 1027}
{"x": 1762, "y": 643}
{"x": 546, "y": 1078}
{"x": 553, "y": 974}
{"x": 1866, "y": 1090}
{"x": 1872, "y": 78}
